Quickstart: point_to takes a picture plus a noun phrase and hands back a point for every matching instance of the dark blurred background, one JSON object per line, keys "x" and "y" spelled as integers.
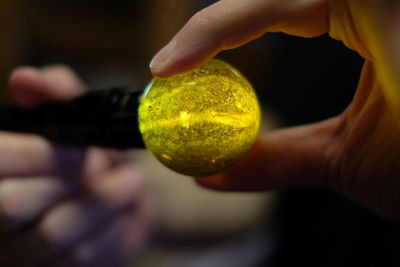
{"x": 109, "y": 43}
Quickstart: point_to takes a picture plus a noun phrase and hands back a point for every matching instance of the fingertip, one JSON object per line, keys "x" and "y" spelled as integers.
{"x": 247, "y": 175}
{"x": 181, "y": 60}
{"x": 188, "y": 50}
{"x": 216, "y": 182}
{"x": 239, "y": 178}
{"x": 158, "y": 65}
{"x": 24, "y": 72}
{"x": 25, "y": 84}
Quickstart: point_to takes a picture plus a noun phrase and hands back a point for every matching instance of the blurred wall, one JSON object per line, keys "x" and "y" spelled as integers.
{"x": 9, "y": 45}
{"x": 108, "y": 42}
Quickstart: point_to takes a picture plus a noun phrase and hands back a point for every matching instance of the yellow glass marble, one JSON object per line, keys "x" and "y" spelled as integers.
{"x": 201, "y": 122}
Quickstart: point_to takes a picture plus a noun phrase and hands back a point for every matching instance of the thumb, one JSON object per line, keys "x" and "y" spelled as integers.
{"x": 298, "y": 156}
{"x": 231, "y": 23}
{"x": 31, "y": 86}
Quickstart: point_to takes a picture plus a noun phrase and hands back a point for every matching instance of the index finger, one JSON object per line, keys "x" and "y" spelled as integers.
{"x": 231, "y": 23}
{"x": 32, "y": 86}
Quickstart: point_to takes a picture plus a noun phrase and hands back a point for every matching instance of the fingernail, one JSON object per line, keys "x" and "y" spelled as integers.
{"x": 161, "y": 57}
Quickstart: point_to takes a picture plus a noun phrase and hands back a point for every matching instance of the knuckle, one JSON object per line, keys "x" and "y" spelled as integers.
{"x": 202, "y": 21}
{"x": 56, "y": 225}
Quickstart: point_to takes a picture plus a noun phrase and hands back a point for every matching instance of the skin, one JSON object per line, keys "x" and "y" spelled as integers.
{"x": 64, "y": 206}
{"x": 355, "y": 153}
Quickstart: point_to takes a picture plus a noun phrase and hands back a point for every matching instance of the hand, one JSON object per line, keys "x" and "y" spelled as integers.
{"x": 356, "y": 153}
{"x": 65, "y": 206}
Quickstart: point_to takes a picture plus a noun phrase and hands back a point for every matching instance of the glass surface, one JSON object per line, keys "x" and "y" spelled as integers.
{"x": 201, "y": 122}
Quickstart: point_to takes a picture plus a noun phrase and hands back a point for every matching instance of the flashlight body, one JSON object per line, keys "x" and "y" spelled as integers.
{"x": 106, "y": 118}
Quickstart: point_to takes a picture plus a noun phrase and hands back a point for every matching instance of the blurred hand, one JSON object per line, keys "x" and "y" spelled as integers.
{"x": 356, "y": 153}
{"x": 64, "y": 206}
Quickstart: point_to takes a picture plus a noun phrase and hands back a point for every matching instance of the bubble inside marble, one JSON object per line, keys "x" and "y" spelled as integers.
{"x": 201, "y": 122}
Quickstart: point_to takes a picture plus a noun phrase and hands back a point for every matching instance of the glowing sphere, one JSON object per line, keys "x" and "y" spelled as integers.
{"x": 201, "y": 122}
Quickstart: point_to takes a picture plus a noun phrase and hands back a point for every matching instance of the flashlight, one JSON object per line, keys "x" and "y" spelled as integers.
{"x": 106, "y": 118}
